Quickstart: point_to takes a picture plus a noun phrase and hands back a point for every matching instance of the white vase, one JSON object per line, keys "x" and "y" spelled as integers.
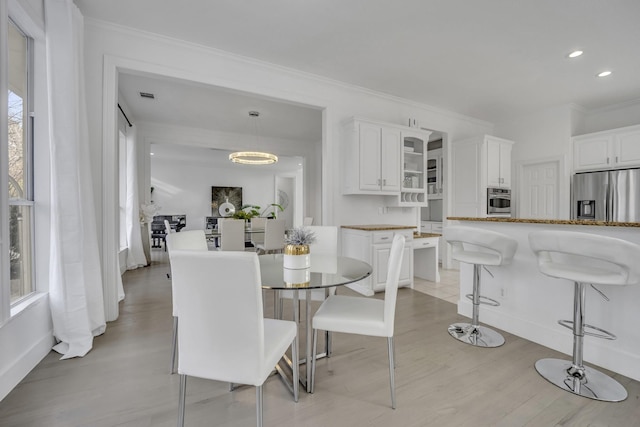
{"x": 296, "y": 257}
{"x": 297, "y": 278}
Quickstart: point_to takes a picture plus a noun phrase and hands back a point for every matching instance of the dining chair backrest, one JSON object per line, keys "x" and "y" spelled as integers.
{"x": 231, "y": 234}
{"x": 194, "y": 240}
{"x": 391, "y": 287}
{"x": 257, "y": 224}
{"x": 274, "y": 234}
{"x": 308, "y": 220}
{"x": 326, "y": 242}
{"x": 167, "y": 227}
{"x": 214, "y": 288}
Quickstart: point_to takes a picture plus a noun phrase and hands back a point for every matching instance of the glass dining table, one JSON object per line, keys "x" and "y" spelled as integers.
{"x": 325, "y": 272}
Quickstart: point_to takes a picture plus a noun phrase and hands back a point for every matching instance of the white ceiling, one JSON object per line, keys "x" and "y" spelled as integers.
{"x": 488, "y": 59}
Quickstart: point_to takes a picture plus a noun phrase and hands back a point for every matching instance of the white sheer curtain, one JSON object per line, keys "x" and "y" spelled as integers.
{"x": 75, "y": 291}
{"x": 135, "y": 254}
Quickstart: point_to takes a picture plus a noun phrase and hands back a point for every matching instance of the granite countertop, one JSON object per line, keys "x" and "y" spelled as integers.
{"x": 379, "y": 227}
{"x": 548, "y": 221}
{"x": 425, "y": 235}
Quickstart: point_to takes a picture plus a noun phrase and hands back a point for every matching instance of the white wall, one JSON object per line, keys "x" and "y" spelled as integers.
{"x": 184, "y": 187}
{"x": 611, "y": 117}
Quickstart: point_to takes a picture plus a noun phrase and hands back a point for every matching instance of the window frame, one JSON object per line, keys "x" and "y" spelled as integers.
{"x": 32, "y": 26}
{"x": 28, "y": 185}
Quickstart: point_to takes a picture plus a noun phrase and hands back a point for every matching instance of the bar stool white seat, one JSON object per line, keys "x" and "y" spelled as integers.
{"x": 480, "y": 248}
{"x": 585, "y": 259}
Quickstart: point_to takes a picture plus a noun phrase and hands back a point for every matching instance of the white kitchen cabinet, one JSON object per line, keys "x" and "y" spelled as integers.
{"x": 611, "y": 149}
{"x": 373, "y": 246}
{"x": 414, "y": 168}
{"x": 372, "y": 158}
{"x": 434, "y": 227}
{"x": 498, "y": 162}
{"x": 478, "y": 163}
{"x": 435, "y": 174}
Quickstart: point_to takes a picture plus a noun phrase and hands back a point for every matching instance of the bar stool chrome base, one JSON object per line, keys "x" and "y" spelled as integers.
{"x": 591, "y": 383}
{"x": 479, "y": 336}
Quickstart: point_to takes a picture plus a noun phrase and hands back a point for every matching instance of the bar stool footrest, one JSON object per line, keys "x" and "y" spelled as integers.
{"x": 594, "y": 385}
{"x": 589, "y": 330}
{"x": 485, "y": 300}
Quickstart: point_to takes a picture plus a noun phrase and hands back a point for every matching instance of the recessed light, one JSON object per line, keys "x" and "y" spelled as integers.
{"x": 575, "y": 54}
{"x": 152, "y": 154}
{"x": 604, "y": 74}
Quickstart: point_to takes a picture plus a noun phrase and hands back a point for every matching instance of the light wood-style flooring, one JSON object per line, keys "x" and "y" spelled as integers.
{"x": 124, "y": 380}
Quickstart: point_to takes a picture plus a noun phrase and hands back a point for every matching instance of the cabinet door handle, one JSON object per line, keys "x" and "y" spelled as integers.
{"x": 384, "y": 182}
{"x": 616, "y": 159}
{"x": 384, "y": 238}
{"x": 607, "y": 160}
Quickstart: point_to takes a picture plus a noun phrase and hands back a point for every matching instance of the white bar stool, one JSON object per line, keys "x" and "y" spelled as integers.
{"x": 586, "y": 259}
{"x": 480, "y": 248}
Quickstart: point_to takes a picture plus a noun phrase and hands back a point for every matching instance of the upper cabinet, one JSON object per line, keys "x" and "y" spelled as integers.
{"x": 372, "y": 158}
{"x": 478, "y": 163}
{"x": 498, "y": 162}
{"x": 617, "y": 148}
{"x": 385, "y": 159}
{"x": 414, "y": 168}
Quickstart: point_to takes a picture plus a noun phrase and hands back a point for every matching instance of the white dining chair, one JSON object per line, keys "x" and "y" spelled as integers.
{"x": 231, "y": 234}
{"x": 192, "y": 240}
{"x": 273, "y": 236}
{"x": 212, "y": 288}
{"x": 364, "y": 316}
{"x": 257, "y": 223}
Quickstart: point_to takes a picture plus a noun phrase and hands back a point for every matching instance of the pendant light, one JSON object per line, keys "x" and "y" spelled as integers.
{"x": 253, "y": 157}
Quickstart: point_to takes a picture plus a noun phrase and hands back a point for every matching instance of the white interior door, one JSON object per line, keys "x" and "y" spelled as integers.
{"x": 539, "y": 191}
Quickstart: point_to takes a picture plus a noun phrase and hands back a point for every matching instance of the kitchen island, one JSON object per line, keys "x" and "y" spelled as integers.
{"x": 532, "y": 303}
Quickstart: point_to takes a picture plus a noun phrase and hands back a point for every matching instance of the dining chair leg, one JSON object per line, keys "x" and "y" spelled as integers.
{"x": 259, "y": 405}
{"x": 313, "y": 359}
{"x": 174, "y": 346}
{"x": 328, "y": 343}
{"x": 181, "y": 400}
{"x": 392, "y": 376}
{"x": 295, "y": 356}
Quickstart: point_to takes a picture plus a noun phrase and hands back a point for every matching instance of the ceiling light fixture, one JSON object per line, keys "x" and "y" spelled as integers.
{"x": 575, "y": 54}
{"x": 253, "y": 157}
{"x": 604, "y": 74}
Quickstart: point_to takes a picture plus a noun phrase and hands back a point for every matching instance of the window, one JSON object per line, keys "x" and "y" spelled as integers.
{"x": 20, "y": 163}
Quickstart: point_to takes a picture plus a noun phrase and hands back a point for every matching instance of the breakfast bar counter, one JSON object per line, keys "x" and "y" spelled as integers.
{"x": 532, "y": 303}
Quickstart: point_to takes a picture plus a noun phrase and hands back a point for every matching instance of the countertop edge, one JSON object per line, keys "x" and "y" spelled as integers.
{"x": 548, "y": 221}
{"x": 379, "y": 227}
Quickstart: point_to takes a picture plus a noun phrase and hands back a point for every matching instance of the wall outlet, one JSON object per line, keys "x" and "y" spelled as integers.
{"x": 503, "y": 293}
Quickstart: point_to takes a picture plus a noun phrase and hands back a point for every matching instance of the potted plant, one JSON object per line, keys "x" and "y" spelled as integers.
{"x": 272, "y": 214}
{"x": 247, "y": 212}
{"x": 296, "y": 250}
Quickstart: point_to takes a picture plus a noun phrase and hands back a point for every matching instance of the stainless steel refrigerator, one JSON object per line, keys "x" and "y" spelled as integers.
{"x": 606, "y": 196}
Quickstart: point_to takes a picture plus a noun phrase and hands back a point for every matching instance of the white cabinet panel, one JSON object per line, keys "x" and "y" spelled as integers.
{"x": 612, "y": 149}
{"x": 370, "y": 155}
{"x": 374, "y": 248}
{"x": 477, "y": 164}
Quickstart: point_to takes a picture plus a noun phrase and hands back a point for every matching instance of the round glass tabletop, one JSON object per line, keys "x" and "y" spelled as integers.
{"x": 325, "y": 271}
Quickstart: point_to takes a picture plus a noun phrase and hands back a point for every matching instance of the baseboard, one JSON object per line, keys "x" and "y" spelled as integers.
{"x": 598, "y": 352}
{"x": 12, "y": 375}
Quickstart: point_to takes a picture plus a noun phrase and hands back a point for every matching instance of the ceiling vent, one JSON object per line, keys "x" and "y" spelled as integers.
{"x": 147, "y": 95}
